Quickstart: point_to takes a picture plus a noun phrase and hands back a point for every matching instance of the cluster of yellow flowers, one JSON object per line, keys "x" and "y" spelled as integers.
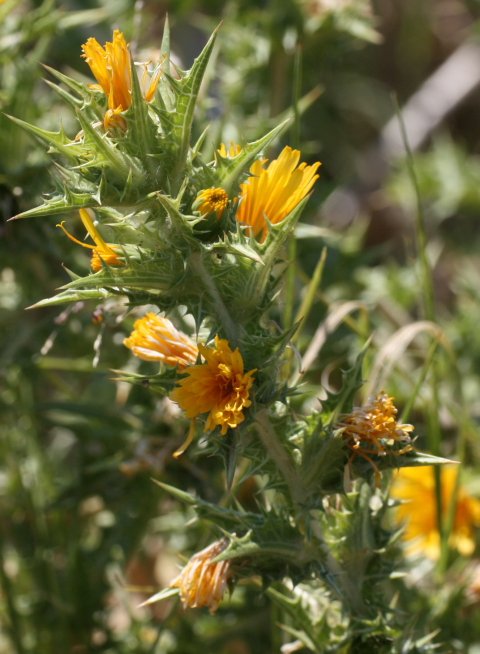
{"x": 267, "y": 196}
{"x": 216, "y": 384}
{"x": 219, "y": 387}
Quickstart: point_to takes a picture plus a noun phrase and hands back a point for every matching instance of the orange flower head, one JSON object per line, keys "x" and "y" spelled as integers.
{"x": 275, "y": 191}
{"x": 112, "y": 69}
{"x": 210, "y": 200}
{"x": 156, "y": 339}
{"x": 201, "y": 582}
{"x": 415, "y": 487}
{"x": 101, "y": 252}
{"x": 373, "y": 429}
{"x": 219, "y": 387}
{"x": 231, "y": 152}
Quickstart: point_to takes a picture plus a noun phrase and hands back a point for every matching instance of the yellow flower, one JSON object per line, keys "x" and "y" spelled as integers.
{"x": 102, "y": 252}
{"x": 275, "y": 191}
{"x": 218, "y": 387}
{"x": 149, "y": 84}
{"x": 210, "y": 200}
{"x": 373, "y": 429}
{"x": 201, "y": 582}
{"x": 233, "y": 151}
{"x": 112, "y": 69}
{"x": 156, "y": 339}
{"x": 416, "y": 487}
{"x": 114, "y": 120}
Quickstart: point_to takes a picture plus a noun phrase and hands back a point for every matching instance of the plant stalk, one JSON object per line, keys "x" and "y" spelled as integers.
{"x": 196, "y": 264}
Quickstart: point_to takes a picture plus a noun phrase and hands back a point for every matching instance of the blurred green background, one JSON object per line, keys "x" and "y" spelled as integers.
{"x": 85, "y": 534}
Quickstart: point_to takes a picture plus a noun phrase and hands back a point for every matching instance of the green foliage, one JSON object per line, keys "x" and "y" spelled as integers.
{"x": 314, "y": 557}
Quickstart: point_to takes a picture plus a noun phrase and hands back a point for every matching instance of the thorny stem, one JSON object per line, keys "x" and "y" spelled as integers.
{"x": 277, "y": 453}
{"x": 196, "y": 264}
{"x": 340, "y": 581}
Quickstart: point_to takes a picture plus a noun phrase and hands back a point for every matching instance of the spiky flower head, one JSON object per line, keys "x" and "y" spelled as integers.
{"x": 418, "y": 511}
{"x": 156, "y": 339}
{"x": 101, "y": 252}
{"x": 373, "y": 430}
{"x": 219, "y": 387}
{"x": 201, "y": 582}
{"x": 275, "y": 191}
{"x": 212, "y": 200}
{"x": 111, "y": 67}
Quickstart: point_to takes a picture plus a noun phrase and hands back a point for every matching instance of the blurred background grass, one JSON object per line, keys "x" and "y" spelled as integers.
{"x": 85, "y": 534}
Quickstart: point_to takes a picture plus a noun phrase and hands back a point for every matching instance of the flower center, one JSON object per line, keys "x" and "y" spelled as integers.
{"x": 218, "y": 198}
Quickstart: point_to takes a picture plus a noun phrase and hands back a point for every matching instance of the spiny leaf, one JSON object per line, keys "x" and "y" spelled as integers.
{"x": 270, "y": 250}
{"x": 176, "y": 492}
{"x": 172, "y": 208}
{"x": 187, "y": 90}
{"x": 141, "y": 127}
{"x": 247, "y": 547}
{"x": 231, "y": 168}
{"x": 65, "y": 95}
{"x": 343, "y": 402}
{"x": 163, "y": 382}
{"x": 57, "y": 140}
{"x": 158, "y": 597}
{"x": 323, "y": 461}
{"x": 72, "y": 296}
{"x": 165, "y": 91}
{"x": 156, "y": 278}
{"x": 77, "y": 87}
{"x": 411, "y": 459}
{"x": 239, "y": 249}
{"x": 121, "y": 163}
{"x": 293, "y": 606}
{"x": 60, "y": 204}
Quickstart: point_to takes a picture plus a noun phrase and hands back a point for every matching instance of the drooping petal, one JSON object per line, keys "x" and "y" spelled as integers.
{"x": 156, "y": 339}
{"x": 201, "y": 582}
{"x": 102, "y": 252}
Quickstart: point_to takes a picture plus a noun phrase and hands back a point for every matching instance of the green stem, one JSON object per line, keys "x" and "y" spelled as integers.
{"x": 290, "y": 285}
{"x": 434, "y": 436}
{"x": 426, "y": 367}
{"x": 309, "y": 298}
{"x": 196, "y": 264}
{"x": 346, "y": 587}
{"x": 421, "y": 231}
{"x": 278, "y": 454}
{"x": 320, "y": 295}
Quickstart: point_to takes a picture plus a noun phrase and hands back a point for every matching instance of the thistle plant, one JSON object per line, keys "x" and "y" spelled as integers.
{"x": 207, "y": 238}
